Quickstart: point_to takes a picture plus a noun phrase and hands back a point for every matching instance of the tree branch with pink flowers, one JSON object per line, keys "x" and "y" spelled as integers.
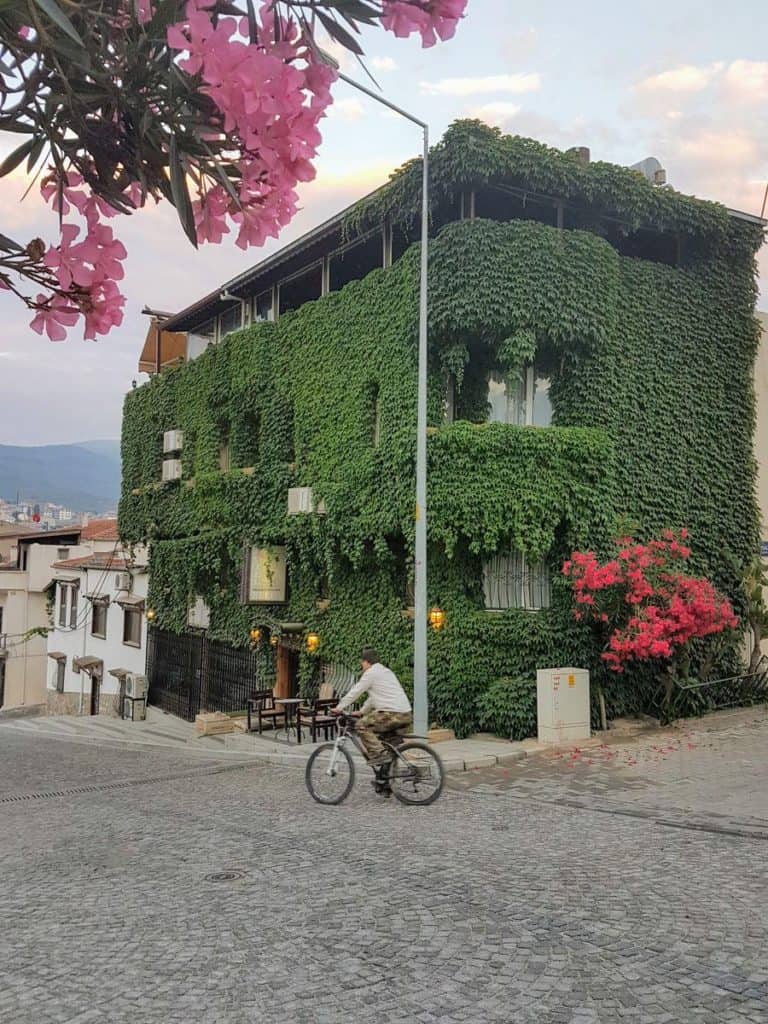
{"x": 212, "y": 105}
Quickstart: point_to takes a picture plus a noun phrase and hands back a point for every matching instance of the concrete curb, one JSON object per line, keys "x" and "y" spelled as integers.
{"x": 452, "y": 765}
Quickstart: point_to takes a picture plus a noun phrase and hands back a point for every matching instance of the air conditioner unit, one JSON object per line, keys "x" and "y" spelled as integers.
{"x": 199, "y": 615}
{"x": 301, "y": 501}
{"x": 123, "y": 581}
{"x": 173, "y": 441}
{"x": 134, "y": 710}
{"x": 171, "y": 469}
{"x": 136, "y": 686}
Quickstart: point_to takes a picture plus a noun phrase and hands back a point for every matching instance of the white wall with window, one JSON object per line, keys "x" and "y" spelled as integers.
{"x": 99, "y": 615}
{"x": 511, "y": 580}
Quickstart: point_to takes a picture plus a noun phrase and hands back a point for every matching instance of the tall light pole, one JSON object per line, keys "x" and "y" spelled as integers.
{"x": 420, "y": 713}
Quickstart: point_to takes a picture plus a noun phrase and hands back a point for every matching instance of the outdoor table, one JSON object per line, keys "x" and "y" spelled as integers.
{"x": 291, "y": 705}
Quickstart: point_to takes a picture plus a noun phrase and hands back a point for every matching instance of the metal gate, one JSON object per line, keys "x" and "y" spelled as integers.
{"x": 188, "y": 674}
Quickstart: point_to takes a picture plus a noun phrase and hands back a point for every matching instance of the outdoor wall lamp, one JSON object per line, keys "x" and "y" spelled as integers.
{"x": 274, "y": 640}
{"x": 436, "y": 618}
{"x": 151, "y": 613}
{"x": 313, "y": 642}
{"x": 255, "y": 634}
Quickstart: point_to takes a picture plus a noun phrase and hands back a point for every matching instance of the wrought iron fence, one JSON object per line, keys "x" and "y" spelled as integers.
{"x": 188, "y": 674}
{"x": 733, "y": 691}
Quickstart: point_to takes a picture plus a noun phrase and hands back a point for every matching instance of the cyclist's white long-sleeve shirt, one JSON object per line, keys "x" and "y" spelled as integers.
{"x": 383, "y": 688}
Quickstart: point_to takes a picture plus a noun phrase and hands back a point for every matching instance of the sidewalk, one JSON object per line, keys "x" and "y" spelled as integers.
{"x": 627, "y": 742}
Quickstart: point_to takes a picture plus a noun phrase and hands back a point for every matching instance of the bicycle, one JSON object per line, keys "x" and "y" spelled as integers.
{"x": 415, "y": 773}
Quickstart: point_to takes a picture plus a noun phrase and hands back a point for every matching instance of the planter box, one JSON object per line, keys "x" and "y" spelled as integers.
{"x": 213, "y": 723}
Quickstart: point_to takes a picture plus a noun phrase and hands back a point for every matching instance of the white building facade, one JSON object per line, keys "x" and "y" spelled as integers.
{"x": 99, "y": 634}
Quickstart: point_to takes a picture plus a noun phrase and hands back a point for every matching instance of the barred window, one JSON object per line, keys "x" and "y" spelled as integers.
{"x": 509, "y": 581}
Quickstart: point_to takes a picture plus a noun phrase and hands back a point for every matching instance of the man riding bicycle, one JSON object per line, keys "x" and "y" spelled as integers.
{"x": 387, "y": 709}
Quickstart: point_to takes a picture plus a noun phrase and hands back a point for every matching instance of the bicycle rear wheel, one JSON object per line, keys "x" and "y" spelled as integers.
{"x": 330, "y": 774}
{"x": 416, "y": 775}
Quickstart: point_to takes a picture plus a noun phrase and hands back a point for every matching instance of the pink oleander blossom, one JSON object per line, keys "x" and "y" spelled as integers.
{"x": 103, "y": 310}
{"x": 271, "y": 97}
{"x": 432, "y": 19}
{"x": 53, "y": 316}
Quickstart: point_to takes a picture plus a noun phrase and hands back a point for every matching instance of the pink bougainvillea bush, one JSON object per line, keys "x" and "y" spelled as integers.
{"x": 214, "y": 105}
{"x": 649, "y": 607}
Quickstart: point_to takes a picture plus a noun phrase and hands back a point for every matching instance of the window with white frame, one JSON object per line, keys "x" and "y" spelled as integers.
{"x": 132, "y": 627}
{"x": 63, "y": 591}
{"x": 199, "y": 338}
{"x": 449, "y": 402}
{"x": 61, "y": 668}
{"x": 68, "y": 605}
{"x": 231, "y": 320}
{"x": 99, "y": 619}
{"x": 521, "y": 399}
{"x": 264, "y": 307}
{"x": 511, "y": 581}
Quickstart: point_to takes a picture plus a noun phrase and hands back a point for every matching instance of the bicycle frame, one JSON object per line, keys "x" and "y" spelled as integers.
{"x": 346, "y": 733}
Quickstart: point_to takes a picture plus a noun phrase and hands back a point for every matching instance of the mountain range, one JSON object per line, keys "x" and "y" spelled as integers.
{"x": 84, "y": 476}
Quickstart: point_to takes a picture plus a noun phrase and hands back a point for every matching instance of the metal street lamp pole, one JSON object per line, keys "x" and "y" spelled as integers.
{"x": 420, "y": 707}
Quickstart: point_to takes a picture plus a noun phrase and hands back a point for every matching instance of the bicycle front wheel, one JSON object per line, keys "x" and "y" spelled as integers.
{"x": 330, "y": 774}
{"x": 416, "y": 774}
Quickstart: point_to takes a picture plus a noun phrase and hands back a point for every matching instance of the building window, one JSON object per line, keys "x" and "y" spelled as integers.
{"x": 521, "y": 399}
{"x": 62, "y": 554}
{"x": 63, "y": 605}
{"x": 510, "y": 581}
{"x": 199, "y": 338}
{"x": 99, "y": 620}
{"x": 61, "y": 668}
{"x": 303, "y": 287}
{"x": 73, "y": 591}
{"x": 449, "y": 403}
{"x": 132, "y": 627}
{"x": 355, "y": 261}
{"x": 264, "y": 307}
{"x": 231, "y": 320}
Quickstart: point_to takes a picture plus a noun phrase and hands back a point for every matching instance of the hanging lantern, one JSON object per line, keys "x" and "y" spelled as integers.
{"x": 151, "y": 613}
{"x": 274, "y": 640}
{"x": 313, "y": 642}
{"x": 436, "y": 618}
{"x": 255, "y": 634}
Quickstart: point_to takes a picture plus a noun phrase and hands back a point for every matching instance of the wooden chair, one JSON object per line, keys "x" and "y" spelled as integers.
{"x": 318, "y": 718}
{"x": 261, "y": 705}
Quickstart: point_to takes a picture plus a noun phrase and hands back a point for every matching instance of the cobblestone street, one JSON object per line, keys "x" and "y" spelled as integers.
{"x": 624, "y": 883}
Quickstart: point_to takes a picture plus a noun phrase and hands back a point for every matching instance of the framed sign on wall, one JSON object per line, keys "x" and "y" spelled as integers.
{"x": 265, "y": 575}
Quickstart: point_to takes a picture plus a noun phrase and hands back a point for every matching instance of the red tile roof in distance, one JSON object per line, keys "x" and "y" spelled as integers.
{"x": 100, "y": 529}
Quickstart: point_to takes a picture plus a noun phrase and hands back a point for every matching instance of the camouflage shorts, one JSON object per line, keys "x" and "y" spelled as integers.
{"x": 374, "y": 724}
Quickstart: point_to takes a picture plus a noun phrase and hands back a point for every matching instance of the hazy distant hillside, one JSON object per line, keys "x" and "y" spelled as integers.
{"x": 86, "y": 476}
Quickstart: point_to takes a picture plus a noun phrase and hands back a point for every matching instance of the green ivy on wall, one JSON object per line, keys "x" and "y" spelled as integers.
{"x": 650, "y": 369}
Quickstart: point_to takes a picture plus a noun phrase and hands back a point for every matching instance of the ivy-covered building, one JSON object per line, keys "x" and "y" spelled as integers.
{"x": 592, "y": 340}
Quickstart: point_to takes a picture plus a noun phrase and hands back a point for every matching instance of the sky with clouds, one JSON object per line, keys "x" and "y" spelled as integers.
{"x": 685, "y": 82}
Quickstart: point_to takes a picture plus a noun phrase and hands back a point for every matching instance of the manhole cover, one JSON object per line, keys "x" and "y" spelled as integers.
{"x": 225, "y": 876}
